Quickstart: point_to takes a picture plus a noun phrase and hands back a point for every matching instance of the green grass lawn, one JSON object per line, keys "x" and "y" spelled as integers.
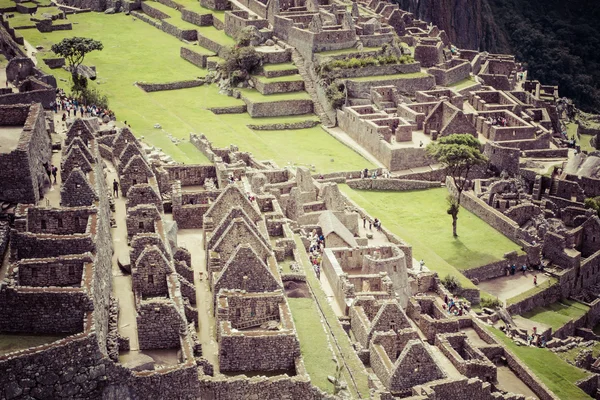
{"x": 13, "y": 342}
{"x": 345, "y": 350}
{"x": 420, "y": 218}
{"x": 286, "y": 78}
{"x": 557, "y": 374}
{"x": 557, "y": 314}
{"x": 387, "y": 77}
{"x": 280, "y": 67}
{"x": 314, "y": 343}
{"x": 470, "y": 81}
{"x": 7, "y": 3}
{"x": 153, "y": 56}
{"x": 582, "y": 140}
{"x": 215, "y": 35}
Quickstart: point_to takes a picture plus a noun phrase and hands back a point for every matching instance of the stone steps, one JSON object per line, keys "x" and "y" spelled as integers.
{"x": 309, "y": 86}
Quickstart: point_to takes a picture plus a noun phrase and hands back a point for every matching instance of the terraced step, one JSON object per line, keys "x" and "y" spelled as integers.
{"x": 347, "y": 53}
{"x": 276, "y": 105}
{"x": 197, "y": 55}
{"x": 410, "y": 83}
{"x": 277, "y": 70}
{"x": 281, "y": 84}
{"x": 309, "y": 86}
{"x": 284, "y": 123}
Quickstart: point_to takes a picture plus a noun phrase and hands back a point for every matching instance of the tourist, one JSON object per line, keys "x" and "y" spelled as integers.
{"x": 370, "y": 224}
{"x": 535, "y": 280}
{"x": 64, "y": 117}
{"x": 115, "y": 188}
{"x": 421, "y": 265}
{"x": 54, "y": 172}
{"x": 421, "y": 143}
{"x": 513, "y": 268}
{"x": 524, "y": 269}
{"x": 364, "y": 221}
{"x": 48, "y": 172}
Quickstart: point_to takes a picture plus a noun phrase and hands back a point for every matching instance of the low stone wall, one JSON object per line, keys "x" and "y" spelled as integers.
{"x": 229, "y": 110}
{"x": 547, "y": 153}
{"x": 496, "y": 219}
{"x": 391, "y": 184}
{"x": 26, "y": 8}
{"x": 185, "y": 34}
{"x": 209, "y": 44}
{"x": 284, "y": 125}
{"x": 198, "y": 59}
{"x": 541, "y": 299}
{"x": 361, "y": 89}
{"x": 196, "y": 18}
{"x": 157, "y": 87}
{"x": 278, "y": 87}
{"x": 588, "y": 320}
{"x": 493, "y": 270}
{"x": 153, "y": 12}
{"x": 278, "y": 108}
{"x": 374, "y": 70}
{"x": 53, "y": 63}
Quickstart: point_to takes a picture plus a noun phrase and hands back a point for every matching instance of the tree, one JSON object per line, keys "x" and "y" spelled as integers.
{"x": 74, "y": 50}
{"x": 458, "y": 153}
{"x": 593, "y": 203}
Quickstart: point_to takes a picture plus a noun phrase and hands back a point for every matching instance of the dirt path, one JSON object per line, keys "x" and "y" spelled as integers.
{"x": 506, "y": 287}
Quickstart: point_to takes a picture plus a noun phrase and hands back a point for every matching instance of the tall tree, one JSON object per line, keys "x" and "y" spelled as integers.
{"x": 458, "y": 153}
{"x": 74, "y": 50}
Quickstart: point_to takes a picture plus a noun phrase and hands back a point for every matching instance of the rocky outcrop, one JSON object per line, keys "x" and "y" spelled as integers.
{"x": 469, "y": 23}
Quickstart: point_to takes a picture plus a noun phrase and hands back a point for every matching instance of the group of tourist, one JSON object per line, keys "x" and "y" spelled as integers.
{"x": 497, "y": 121}
{"x": 51, "y": 171}
{"x": 372, "y": 223}
{"x": 364, "y": 174}
{"x": 511, "y": 269}
{"x": 457, "y": 308}
{"x": 70, "y": 105}
{"x": 533, "y": 339}
{"x": 315, "y": 251}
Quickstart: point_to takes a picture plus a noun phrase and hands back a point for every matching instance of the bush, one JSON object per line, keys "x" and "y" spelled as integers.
{"x": 335, "y": 94}
{"x": 360, "y": 62}
{"x": 239, "y": 62}
{"x": 452, "y": 284}
{"x": 490, "y": 303}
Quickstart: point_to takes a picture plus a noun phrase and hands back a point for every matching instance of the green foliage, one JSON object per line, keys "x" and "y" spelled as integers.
{"x": 335, "y": 94}
{"x": 239, "y": 62}
{"x": 451, "y": 283}
{"x": 593, "y": 203}
{"x": 360, "y": 62}
{"x": 74, "y": 49}
{"x": 490, "y": 303}
{"x": 459, "y": 153}
{"x": 245, "y": 36}
{"x": 559, "y": 41}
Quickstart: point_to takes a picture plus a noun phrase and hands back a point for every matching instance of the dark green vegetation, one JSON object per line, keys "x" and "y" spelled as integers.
{"x": 559, "y": 41}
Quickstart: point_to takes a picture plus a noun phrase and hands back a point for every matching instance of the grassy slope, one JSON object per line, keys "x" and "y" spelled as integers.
{"x": 130, "y": 56}
{"x": 420, "y": 217}
{"x": 347, "y": 351}
{"x": 314, "y": 343}
{"x": 386, "y": 77}
{"x": 557, "y": 374}
{"x": 557, "y": 314}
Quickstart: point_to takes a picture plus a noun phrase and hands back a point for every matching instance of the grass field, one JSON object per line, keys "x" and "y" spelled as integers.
{"x": 557, "y": 374}
{"x": 153, "y": 56}
{"x": 280, "y": 67}
{"x": 344, "y": 350}
{"x": 557, "y": 314}
{"x": 420, "y": 218}
{"x": 470, "y": 81}
{"x": 314, "y": 343}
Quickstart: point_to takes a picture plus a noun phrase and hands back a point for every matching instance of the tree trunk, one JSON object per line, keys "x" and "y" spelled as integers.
{"x": 454, "y": 219}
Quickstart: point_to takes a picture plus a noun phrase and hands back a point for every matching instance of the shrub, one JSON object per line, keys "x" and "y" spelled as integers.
{"x": 239, "y": 62}
{"x": 490, "y": 303}
{"x": 335, "y": 94}
{"x": 452, "y": 284}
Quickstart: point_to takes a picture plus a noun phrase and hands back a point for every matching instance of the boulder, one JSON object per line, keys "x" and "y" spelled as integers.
{"x": 140, "y": 362}
{"x": 109, "y": 11}
{"x": 124, "y": 262}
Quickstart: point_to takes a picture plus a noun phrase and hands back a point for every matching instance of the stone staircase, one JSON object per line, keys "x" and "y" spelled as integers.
{"x": 309, "y": 86}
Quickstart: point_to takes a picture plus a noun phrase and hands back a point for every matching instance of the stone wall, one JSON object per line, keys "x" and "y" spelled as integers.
{"x": 196, "y": 18}
{"x": 374, "y": 70}
{"x": 22, "y": 172}
{"x": 159, "y": 325}
{"x": 495, "y": 269}
{"x": 196, "y": 58}
{"x": 266, "y": 87}
{"x": 278, "y": 108}
{"x": 361, "y": 89}
{"x": 391, "y": 184}
{"x": 156, "y": 87}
